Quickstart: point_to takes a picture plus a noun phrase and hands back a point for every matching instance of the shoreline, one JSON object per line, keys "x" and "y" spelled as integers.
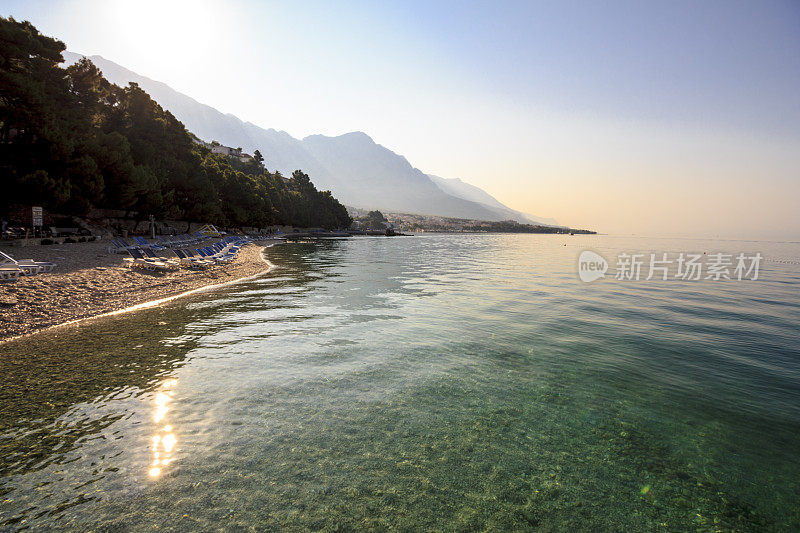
{"x": 84, "y": 292}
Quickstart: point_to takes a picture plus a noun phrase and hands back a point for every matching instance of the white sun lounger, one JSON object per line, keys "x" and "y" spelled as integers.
{"x": 9, "y": 273}
{"x": 28, "y": 267}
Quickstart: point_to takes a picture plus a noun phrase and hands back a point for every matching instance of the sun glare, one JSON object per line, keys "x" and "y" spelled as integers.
{"x": 162, "y": 31}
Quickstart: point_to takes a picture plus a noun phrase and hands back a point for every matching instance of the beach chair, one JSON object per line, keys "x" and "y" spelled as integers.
{"x": 150, "y": 254}
{"x": 191, "y": 255}
{"x": 119, "y": 246}
{"x": 147, "y": 263}
{"x": 136, "y": 258}
{"x": 142, "y": 243}
{"x": 191, "y": 261}
{"x": 210, "y": 253}
{"x": 219, "y": 250}
{"x": 205, "y": 255}
{"x": 231, "y": 246}
{"x": 165, "y": 241}
{"x": 28, "y": 267}
{"x": 9, "y": 273}
{"x": 239, "y": 240}
{"x": 225, "y": 248}
{"x": 175, "y": 241}
{"x": 224, "y": 251}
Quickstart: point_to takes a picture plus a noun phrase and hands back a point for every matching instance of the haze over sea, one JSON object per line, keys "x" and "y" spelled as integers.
{"x": 430, "y": 382}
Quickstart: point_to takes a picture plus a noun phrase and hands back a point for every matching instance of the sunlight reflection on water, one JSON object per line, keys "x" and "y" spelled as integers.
{"x": 164, "y": 441}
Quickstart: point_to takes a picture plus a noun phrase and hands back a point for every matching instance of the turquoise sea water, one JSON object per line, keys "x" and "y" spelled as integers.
{"x": 440, "y": 382}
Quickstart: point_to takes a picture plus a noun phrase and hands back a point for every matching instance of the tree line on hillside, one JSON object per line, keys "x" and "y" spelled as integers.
{"x": 70, "y": 140}
{"x": 374, "y": 221}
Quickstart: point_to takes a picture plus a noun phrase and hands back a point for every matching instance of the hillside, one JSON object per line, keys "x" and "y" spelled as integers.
{"x": 71, "y": 141}
{"x": 357, "y": 170}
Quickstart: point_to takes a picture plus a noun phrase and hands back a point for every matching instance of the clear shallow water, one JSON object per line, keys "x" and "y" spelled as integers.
{"x": 437, "y": 382}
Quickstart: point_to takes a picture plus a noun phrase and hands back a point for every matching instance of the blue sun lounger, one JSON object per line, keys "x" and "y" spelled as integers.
{"x": 142, "y": 242}
{"x": 192, "y": 261}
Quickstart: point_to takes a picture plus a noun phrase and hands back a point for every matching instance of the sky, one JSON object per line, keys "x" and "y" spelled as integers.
{"x": 628, "y": 117}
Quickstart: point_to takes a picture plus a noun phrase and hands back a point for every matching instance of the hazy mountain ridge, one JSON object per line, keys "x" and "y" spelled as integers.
{"x": 370, "y": 175}
{"x": 462, "y": 189}
{"x": 357, "y": 170}
{"x": 281, "y": 150}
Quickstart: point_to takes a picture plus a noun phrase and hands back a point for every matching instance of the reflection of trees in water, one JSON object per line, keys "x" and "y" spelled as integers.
{"x": 307, "y": 262}
{"x": 342, "y": 261}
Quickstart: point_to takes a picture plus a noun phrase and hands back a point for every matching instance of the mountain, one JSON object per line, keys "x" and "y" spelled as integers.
{"x": 281, "y": 150}
{"x": 461, "y": 189}
{"x": 366, "y": 174}
{"x": 357, "y": 170}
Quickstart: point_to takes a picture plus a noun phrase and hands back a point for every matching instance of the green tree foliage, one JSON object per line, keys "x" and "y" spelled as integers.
{"x": 374, "y": 220}
{"x": 70, "y": 140}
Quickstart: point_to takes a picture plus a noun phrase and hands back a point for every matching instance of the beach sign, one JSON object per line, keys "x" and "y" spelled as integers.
{"x": 36, "y": 215}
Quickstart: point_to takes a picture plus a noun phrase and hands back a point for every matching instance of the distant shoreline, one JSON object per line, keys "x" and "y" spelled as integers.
{"x": 453, "y": 232}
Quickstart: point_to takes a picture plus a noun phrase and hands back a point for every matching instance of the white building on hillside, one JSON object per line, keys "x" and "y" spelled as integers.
{"x": 224, "y": 150}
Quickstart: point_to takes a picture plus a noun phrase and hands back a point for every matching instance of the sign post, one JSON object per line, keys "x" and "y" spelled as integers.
{"x": 38, "y": 219}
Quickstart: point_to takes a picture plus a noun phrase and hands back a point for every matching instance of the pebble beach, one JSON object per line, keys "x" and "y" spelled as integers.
{"x": 89, "y": 281}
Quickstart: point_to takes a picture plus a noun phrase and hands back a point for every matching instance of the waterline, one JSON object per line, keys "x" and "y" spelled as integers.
{"x": 151, "y": 303}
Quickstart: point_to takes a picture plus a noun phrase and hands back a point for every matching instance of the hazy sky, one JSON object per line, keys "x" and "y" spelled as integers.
{"x": 626, "y": 117}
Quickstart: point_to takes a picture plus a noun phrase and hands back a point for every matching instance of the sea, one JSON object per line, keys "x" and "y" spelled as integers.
{"x": 436, "y": 382}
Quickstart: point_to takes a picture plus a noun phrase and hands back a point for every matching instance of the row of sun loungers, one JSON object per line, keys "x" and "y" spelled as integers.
{"x": 145, "y": 254}
{"x": 175, "y": 241}
{"x": 222, "y": 251}
{"x": 164, "y": 242}
{"x": 12, "y": 269}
